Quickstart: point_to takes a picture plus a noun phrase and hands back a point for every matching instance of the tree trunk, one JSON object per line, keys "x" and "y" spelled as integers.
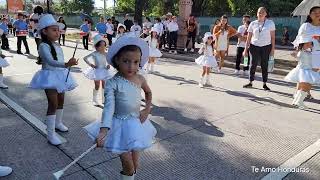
{"x": 139, "y": 6}
{"x": 167, "y": 6}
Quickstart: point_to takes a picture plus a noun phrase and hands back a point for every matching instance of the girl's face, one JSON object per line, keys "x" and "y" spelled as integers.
{"x": 315, "y": 15}
{"x": 261, "y": 14}
{"x": 224, "y": 21}
{"x": 154, "y": 34}
{"x": 209, "y": 41}
{"x": 52, "y": 33}
{"x": 121, "y": 29}
{"x": 102, "y": 47}
{"x": 307, "y": 45}
{"x": 128, "y": 63}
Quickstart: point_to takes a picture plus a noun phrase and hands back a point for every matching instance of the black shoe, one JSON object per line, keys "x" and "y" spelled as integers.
{"x": 248, "y": 85}
{"x": 19, "y": 52}
{"x": 265, "y": 87}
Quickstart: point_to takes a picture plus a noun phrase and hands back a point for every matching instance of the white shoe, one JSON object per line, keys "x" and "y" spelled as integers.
{"x": 5, "y": 171}
{"x": 170, "y": 52}
{"x": 125, "y": 177}
{"x": 52, "y": 136}
{"x": 2, "y": 85}
{"x": 237, "y": 72}
{"x": 59, "y": 125}
{"x": 192, "y": 50}
{"x": 301, "y": 95}
{"x": 95, "y": 97}
{"x": 175, "y": 52}
{"x": 185, "y": 49}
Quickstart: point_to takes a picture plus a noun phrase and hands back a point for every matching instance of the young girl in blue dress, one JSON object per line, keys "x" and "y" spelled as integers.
{"x": 125, "y": 129}
{"x": 53, "y": 76}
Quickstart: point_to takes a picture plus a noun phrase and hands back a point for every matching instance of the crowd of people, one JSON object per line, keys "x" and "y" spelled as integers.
{"x": 132, "y": 50}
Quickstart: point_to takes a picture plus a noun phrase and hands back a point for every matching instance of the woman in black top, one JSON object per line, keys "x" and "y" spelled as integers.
{"x": 62, "y": 31}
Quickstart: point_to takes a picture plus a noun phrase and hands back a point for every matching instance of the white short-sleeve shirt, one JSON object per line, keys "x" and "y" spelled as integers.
{"x": 241, "y": 30}
{"x": 261, "y": 35}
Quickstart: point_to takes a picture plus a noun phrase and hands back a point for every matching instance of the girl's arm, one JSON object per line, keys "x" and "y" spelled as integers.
{"x": 46, "y": 56}
{"x": 232, "y": 31}
{"x": 148, "y": 97}
{"x": 201, "y": 50}
{"x": 247, "y": 44}
{"x": 86, "y": 59}
{"x": 109, "y": 106}
{"x": 216, "y": 31}
{"x": 273, "y": 42}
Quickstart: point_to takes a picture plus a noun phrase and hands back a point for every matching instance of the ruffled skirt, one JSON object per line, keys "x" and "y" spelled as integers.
{"x": 208, "y": 61}
{"x": 99, "y": 73}
{"x": 3, "y": 62}
{"x": 53, "y": 79}
{"x": 154, "y": 52}
{"x": 125, "y": 135}
{"x": 303, "y": 75}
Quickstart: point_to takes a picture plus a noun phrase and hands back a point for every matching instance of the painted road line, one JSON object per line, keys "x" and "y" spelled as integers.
{"x": 29, "y": 118}
{"x": 293, "y": 163}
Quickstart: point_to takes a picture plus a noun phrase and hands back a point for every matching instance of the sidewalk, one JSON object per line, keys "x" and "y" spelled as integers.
{"x": 27, "y": 151}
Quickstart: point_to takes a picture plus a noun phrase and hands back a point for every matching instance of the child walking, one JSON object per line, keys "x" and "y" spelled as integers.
{"x": 124, "y": 129}
{"x": 99, "y": 71}
{"x": 120, "y": 30}
{"x": 3, "y": 63}
{"x": 207, "y": 60}
{"x": 154, "y": 51}
{"x": 53, "y": 77}
{"x": 303, "y": 74}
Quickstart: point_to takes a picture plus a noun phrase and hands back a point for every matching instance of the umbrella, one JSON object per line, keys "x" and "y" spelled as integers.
{"x": 304, "y": 7}
{"x": 86, "y": 16}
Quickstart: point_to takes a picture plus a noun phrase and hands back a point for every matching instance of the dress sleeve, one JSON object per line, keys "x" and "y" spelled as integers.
{"x": 46, "y": 56}
{"x": 109, "y": 106}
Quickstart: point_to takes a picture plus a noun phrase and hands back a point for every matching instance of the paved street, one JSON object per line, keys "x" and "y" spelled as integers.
{"x": 213, "y": 133}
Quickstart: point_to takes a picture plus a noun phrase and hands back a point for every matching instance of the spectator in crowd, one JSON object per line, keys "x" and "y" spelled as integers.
{"x": 173, "y": 34}
{"x": 85, "y": 28}
{"x": 136, "y": 28}
{"x": 192, "y": 33}
{"x": 4, "y": 39}
{"x": 115, "y": 24}
{"x": 22, "y": 31}
{"x": 109, "y": 31}
{"x": 261, "y": 44}
{"x": 147, "y": 23}
{"x": 285, "y": 37}
{"x": 63, "y": 30}
{"x": 127, "y": 22}
{"x": 242, "y": 38}
{"x": 101, "y": 27}
{"x": 158, "y": 25}
{"x": 223, "y": 32}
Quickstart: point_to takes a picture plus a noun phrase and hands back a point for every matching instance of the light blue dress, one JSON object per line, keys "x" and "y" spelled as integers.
{"x": 121, "y": 114}
{"x": 303, "y": 72}
{"x": 100, "y": 72}
{"x": 53, "y": 74}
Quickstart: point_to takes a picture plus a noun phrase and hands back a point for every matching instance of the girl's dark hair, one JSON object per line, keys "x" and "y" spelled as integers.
{"x": 300, "y": 47}
{"x": 131, "y": 48}
{"x": 99, "y": 44}
{"x": 309, "y": 20}
{"x": 38, "y": 10}
{"x": 45, "y": 39}
{"x": 226, "y": 25}
{"x": 158, "y": 19}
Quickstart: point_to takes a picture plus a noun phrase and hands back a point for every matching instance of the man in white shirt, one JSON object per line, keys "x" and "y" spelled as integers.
{"x": 242, "y": 38}
{"x": 136, "y": 28}
{"x": 173, "y": 34}
{"x": 159, "y": 26}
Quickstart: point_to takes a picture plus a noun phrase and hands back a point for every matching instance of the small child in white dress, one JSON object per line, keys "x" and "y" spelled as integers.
{"x": 125, "y": 129}
{"x": 100, "y": 70}
{"x": 207, "y": 60}
{"x": 3, "y": 63}
{"x": 154, "y": 51}
{"x": 303, "y": 74}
